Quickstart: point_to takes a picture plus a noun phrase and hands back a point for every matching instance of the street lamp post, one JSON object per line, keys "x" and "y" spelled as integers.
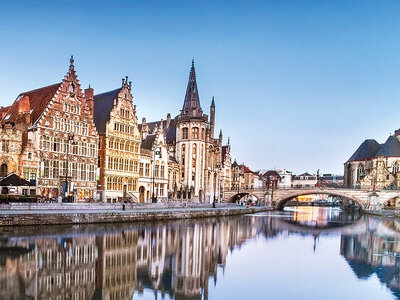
{"x": 240, "y": 174}
{"x": 70, "y": 138}
{"x": 157, "y": 151}
{"x": 215, "y": 179}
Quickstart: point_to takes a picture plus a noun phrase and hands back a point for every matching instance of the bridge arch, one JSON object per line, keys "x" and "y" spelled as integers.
{"x": 282, "y": 200}
{"x": 238, "y": 196}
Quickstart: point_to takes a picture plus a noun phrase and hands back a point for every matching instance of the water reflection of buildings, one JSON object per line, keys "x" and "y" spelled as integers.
{"x": 54, "y": 269}
{"x": 376, "y": 251}
{"x": 177, "y": 259}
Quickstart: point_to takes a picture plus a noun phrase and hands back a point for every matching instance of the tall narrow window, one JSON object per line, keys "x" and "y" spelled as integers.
{"x": 195, "y": 132}
{"x": 185, "y": 133}
{"x": 157, "y": 169}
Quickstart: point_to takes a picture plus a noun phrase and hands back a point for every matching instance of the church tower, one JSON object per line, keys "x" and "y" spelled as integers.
{"x": 191, "y": 127}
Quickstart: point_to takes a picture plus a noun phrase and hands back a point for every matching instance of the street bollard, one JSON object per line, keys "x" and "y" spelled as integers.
{"x": 123, "y": 206}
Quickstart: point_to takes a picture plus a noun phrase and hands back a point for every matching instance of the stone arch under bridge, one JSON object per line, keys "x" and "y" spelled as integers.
{"x": 279, "y": 197}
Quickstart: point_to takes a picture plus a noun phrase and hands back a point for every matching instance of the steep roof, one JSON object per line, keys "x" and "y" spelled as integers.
{"x": 38, "y": 101}
{"x": 14, "y": 180}
{"x": 103, "y": 104}
{"x": 271, "y": 173}
{"x": 147, "y": 143}
{"x": 390, "y": 148}
{"x": 191, "y": 105}
{"x": 170, "y": 131}
{"x": 367, "y": 150}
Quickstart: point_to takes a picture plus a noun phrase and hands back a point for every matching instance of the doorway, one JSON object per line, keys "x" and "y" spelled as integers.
{"x": 141, "y": 194}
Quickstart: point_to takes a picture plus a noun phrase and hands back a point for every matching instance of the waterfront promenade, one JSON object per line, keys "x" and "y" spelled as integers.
{"x": 73, "y": 213}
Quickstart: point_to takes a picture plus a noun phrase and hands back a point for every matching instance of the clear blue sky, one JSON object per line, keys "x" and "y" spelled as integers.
{"x": 297, "y": 84}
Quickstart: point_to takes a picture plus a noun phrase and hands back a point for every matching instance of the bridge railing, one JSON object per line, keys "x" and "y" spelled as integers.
{"x": 336, "y": 187}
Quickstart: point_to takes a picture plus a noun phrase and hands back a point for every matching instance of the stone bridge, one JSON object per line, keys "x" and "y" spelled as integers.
{"x": 279, "y": 197}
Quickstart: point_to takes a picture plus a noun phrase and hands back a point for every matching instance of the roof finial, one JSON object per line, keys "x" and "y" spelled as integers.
{"x": 193, "y": 63}
{"x": 212, "y": 102}
{"x": 71, "y": 61}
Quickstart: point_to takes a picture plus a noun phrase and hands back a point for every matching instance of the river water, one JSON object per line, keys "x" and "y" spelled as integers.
{"x": 300, "y": 253}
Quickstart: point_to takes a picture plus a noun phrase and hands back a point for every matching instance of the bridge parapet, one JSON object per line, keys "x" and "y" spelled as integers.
{"x": 278, "y": 197}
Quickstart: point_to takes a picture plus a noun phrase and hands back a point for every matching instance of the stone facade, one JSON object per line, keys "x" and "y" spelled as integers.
{"x": 116, "y": 122}
{"x": 375, "y": 165}
{"x": 195, "y": 154}
{"x": 153, "y": 165}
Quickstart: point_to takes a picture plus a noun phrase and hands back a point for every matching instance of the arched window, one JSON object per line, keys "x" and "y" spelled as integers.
{"x": 194, "y": 161}
{"x": 360, "y": 172}
{"x": 127, "y": 146}
{"x": 396, "y": 167}
{"x": 114, "y": 183}
{"x": 109, "y": 183}
{"x": 183, "y": 155}
{"x": 119, "y": 184}
{"x": 3, "y": 170}
{"x": 130, "y": 184}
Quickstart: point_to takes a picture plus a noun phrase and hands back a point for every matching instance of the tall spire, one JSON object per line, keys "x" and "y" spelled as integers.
{"x": 71, "y": 62}
{"x": 191, "y": 105}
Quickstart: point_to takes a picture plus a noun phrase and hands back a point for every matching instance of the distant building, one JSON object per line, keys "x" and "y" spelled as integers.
{"x": 272, "y": 179}
{"x": 304, "y": 180}
{"x": 375, "y": 165}
{"x": 331, "y": 180}
{"x": 286, "y": 178}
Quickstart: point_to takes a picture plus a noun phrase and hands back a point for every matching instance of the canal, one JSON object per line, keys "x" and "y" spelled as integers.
{"x": 299, "y": 253}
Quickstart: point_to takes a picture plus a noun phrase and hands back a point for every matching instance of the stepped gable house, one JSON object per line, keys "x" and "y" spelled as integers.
{"x": 117, "y": 125}
{"x": 53, "y": 125}
{"x": 153, "y": 166}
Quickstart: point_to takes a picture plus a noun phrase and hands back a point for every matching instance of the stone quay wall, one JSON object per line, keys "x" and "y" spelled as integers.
{"x": 62, "y": 216}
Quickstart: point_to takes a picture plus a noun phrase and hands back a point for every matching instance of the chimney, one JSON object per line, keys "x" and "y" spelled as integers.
{"x": 89, "y": 97}
{"x": 168, "y": 120}
{"x": 24, "y": 105}
{"x": 145, "y": 129}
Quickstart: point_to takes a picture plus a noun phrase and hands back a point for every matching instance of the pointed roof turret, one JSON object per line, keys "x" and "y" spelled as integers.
{"x": 191, "y": 105}
{"x": 212, "y": 102}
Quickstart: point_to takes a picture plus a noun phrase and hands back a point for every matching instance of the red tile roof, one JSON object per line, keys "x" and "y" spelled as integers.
{"x": 38, "y": 101}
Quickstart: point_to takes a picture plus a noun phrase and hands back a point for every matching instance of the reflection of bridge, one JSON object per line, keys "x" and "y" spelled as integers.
{"x": 278, "y": 197}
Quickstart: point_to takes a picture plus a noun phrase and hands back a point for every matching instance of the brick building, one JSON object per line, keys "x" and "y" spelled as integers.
{"x": 54, "y": 134}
